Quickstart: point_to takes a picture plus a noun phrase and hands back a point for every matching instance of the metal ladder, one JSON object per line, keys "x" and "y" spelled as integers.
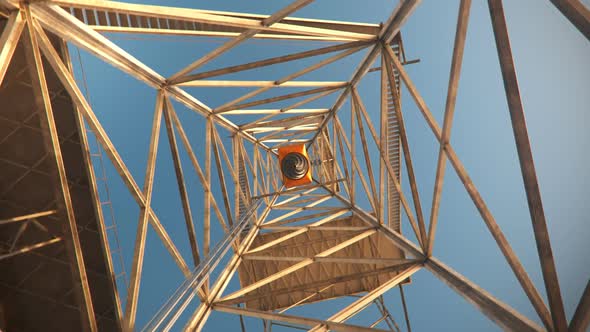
{"x": 393, "y": 150}
{"x": 110, "y": 224}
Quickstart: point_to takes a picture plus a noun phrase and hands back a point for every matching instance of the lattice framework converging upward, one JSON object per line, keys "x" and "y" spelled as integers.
{"x": 283, "y": 248}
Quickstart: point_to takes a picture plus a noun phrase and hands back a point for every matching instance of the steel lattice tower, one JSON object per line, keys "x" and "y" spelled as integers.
{"x": 283, "y": 247}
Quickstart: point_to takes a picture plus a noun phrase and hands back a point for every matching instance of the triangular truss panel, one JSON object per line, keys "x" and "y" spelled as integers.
{"x": 251, "y": 246}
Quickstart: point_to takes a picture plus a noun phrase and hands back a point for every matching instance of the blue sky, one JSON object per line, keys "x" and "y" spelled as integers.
{"x": 551, "y": 59}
